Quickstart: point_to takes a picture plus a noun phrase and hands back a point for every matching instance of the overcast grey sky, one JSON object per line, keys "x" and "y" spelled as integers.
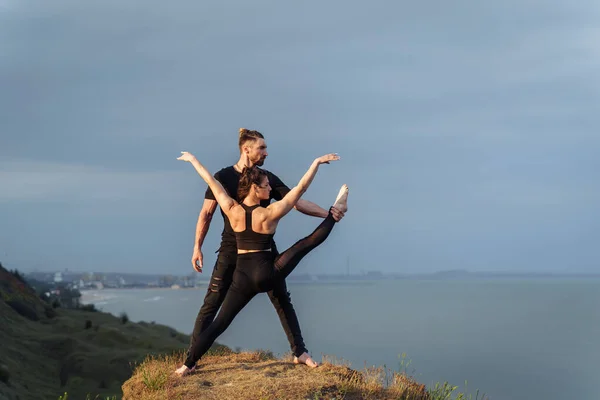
{"x": 469, "y": 131}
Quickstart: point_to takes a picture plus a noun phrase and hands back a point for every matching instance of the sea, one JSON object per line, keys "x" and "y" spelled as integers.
{"x": 512, "y": 339}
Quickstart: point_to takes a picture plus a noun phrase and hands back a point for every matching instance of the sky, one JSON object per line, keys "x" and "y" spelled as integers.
{"x": 468, "y": 131}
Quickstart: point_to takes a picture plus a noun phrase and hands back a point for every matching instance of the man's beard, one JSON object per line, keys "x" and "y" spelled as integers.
{"x": 259, "y": 162}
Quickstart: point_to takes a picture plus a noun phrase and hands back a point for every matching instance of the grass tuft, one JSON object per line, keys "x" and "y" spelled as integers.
{"x": 65, "y": 396}
{"x": 153, "y": 376}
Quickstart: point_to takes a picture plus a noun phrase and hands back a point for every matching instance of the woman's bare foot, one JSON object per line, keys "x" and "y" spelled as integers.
{"x": 183, "y": 371}
{"x": 341, "y": 201}
{"x": 305, "y": 359}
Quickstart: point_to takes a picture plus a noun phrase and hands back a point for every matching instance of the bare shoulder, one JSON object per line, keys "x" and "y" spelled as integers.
{"x": 271, "y": 207}
{"x": 236, "y": 212}
{"x": 264, "y": 218}
{"x": 237, "y": 217}
{"x": 261, "y": 213}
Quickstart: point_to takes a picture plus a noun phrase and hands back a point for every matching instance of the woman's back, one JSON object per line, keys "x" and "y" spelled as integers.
{"x": 260, "y": 217}
{"x": 252, "y": 227}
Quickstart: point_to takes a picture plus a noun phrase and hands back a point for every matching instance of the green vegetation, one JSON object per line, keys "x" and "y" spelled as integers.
{"x": 88, "y": 307}
{"x": 81, "y": 353}
{"x": 123, "y": 318}
{"x": 4, "y": 374}
{"x": 88, "y": 397}
{"x": 155, "y": 379}
{"x": 445, "y": 391}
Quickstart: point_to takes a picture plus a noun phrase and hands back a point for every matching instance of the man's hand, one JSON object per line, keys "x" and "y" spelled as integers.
{"x": 337, "y": 214}
{"x": 197, "y": 260}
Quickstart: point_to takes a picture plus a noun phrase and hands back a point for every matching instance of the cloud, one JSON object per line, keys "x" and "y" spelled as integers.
{"x": 458, "y": 123}
{"x": 86, "y": 186}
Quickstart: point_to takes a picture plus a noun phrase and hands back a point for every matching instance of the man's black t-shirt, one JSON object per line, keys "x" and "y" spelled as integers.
{"x": 230, "y": 179}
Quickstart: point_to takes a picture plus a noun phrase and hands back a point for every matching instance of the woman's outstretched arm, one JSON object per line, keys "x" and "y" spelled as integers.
{"x": 224, "y": 200}
{"x": 280, "y": 208}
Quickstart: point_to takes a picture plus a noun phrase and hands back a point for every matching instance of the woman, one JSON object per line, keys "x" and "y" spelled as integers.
{"x": 254, "y": 226}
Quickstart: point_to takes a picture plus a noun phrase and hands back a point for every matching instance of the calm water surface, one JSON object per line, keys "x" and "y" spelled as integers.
{"x": 515, "y": 340}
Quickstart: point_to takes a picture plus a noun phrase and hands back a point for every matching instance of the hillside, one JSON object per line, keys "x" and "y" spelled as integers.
{"x": 46, "y": 352}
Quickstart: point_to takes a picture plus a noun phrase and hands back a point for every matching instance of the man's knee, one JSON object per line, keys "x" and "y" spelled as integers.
{"x": 217, "y": 289}
{"x": 220, "y": 279}
{"x": 216, "y": 285}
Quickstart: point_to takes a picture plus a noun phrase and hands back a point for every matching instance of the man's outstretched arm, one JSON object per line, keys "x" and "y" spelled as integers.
{"x": 314, "y": 210}
{"x": 206, "y": 214}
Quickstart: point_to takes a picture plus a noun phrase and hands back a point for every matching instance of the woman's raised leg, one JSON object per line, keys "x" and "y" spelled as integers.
{"x": 289, "y": 259}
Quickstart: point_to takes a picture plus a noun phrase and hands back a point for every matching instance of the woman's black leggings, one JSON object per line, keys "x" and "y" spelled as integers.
{"x": 256, "y": 273}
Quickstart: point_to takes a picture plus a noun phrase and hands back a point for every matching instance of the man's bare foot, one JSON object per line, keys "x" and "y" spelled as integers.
{"x": 341, "y": 201}
{"x": 305, "y": 359}
{"x": 183, "y": 371}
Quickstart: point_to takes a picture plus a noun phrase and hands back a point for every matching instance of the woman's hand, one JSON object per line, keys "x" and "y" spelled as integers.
{"x": 327, "y": 157}
{"x": 185, "y": 156}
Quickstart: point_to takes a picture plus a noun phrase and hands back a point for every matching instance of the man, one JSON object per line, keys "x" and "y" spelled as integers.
{"x": 253, "y": 151}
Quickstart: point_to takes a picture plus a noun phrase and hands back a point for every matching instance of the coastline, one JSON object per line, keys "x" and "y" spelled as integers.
{"x": 93, "y": 296}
